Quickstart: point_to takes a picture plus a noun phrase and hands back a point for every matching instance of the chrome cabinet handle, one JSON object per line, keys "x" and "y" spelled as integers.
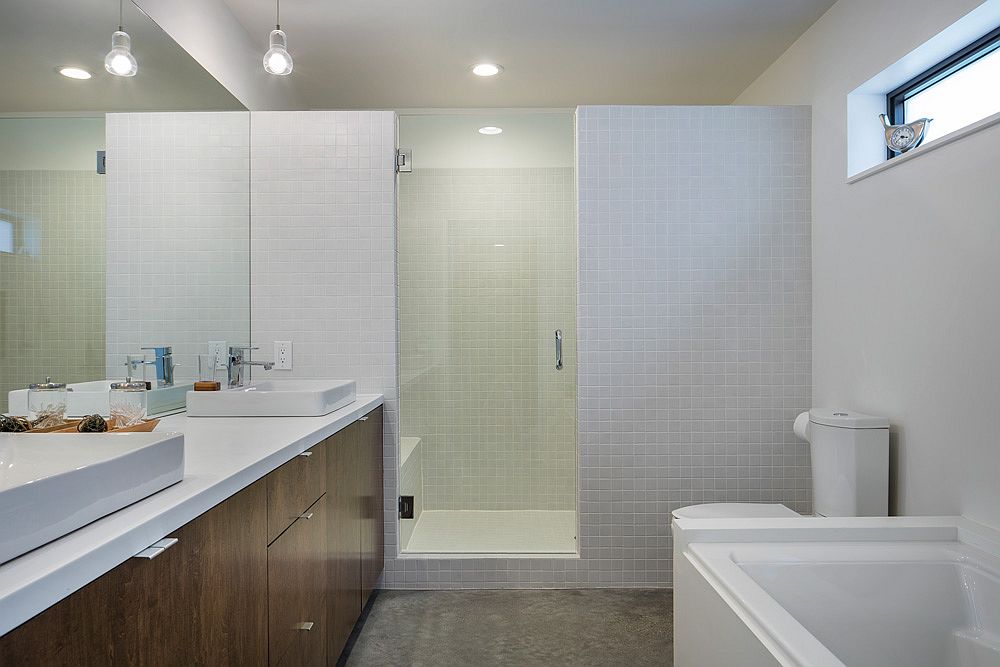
{"x": 157, "y": 548}
{"x": 559, "y": 364}
{"x": 306, "y": 516}
{"x": 362, "y": 419}
{"x": 306, "y": 453}
{"x": 307, "y": 626}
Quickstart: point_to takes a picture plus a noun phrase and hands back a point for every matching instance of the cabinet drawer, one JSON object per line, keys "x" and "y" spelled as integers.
{"x": 296, "y": 585}
{"x": 293, "y": 487}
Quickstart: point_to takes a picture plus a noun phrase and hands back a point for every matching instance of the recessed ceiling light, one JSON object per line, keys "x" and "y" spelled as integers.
{"x": 75, "y": 73}
{"x": 486, "y": 69}
{"x": 489, "y": 129}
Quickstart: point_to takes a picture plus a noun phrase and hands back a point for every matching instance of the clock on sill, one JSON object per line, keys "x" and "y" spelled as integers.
{"x": 901, "y": 138}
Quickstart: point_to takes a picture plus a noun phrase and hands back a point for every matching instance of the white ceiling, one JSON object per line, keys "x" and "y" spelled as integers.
{"x": 40, "y": 35}
{"x": 556, "y": 53}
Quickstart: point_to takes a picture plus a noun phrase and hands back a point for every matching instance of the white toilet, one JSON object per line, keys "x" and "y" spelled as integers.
{"x": 850, "y": 469}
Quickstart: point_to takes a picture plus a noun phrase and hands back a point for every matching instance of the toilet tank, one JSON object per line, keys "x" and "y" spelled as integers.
{"x": 850, "y": 463}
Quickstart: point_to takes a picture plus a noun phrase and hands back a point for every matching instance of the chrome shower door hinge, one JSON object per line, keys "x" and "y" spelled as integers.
{"x": 403, "y": 158}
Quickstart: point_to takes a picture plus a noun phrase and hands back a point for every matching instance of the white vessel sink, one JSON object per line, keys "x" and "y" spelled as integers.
{"x": 89, "y": 398}
{"x": 53, "y": 483}
{"x": 274, "y": 398}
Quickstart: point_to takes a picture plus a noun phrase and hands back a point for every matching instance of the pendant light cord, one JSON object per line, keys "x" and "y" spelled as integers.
{"x": 277, "y": 14}
{"x": 121, "y": 15}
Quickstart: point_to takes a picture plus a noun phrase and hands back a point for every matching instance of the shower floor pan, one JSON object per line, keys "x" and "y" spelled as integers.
{"x": 494, "y": 532}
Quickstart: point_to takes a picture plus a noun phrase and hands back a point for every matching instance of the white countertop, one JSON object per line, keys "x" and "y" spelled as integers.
{"x": 221, "y": 457}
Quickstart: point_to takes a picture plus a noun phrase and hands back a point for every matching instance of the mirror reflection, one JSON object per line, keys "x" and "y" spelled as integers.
{"x": 142, "y": 256}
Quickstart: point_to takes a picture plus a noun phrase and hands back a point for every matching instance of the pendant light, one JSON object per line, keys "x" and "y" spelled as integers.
{"x": 277, "y": 60}
{"x": 120, "y": 60}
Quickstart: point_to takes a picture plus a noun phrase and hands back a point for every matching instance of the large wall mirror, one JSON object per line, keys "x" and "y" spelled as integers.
{"x": 153, "y": 253}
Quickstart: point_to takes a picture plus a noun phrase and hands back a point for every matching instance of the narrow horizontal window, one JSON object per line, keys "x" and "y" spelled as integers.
{"x": 957, "y": 92}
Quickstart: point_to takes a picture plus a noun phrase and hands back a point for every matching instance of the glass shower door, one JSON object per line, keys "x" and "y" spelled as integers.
{"x": 487, "y": 276}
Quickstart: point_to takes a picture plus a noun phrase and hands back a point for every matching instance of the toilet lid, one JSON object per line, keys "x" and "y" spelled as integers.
{"x": 846, "y": 419}
{"x": 734, "y": 511}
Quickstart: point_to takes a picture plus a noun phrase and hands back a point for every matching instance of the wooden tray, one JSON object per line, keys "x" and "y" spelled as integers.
{"x": 70, "y": 424}
{"x": 144, "y": 427}
{"x": 70, "y": 427}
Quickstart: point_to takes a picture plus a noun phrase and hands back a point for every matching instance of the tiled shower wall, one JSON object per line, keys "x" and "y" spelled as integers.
{"x": 487, "y": 273}
{"x": 694, "y": 328}
{"x": 52, "y": 285}
{"x": 178, "y": 240}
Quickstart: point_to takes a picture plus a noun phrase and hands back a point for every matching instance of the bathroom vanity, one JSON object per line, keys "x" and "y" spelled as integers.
{"x": 265, "y": 554}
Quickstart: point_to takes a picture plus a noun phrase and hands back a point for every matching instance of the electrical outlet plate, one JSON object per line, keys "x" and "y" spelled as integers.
{"x": 283, "y": 355}
{"x": 220, "y": 350}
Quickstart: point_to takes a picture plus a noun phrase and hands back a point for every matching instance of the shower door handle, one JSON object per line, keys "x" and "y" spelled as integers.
{"x": 558, "y": 349}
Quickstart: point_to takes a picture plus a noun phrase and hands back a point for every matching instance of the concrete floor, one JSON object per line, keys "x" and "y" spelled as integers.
{"x": 537, "y": 627}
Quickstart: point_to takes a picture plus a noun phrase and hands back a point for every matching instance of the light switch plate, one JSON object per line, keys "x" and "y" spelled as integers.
{"x": 220, "y": 350}
{"x": 283, "y": 355}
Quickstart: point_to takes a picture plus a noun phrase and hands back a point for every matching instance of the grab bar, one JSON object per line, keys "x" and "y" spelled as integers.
{"x": 558, "y": 349}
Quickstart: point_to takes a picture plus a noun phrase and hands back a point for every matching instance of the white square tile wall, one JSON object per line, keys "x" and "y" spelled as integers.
{"x": 178, "y": 247}
{"x": 52, "y": 284}
{"x": 323, "y": 254}
{"x": 694, "y": 313}
{"x": 695, "y": 337}
{"x": 694, "y": 328}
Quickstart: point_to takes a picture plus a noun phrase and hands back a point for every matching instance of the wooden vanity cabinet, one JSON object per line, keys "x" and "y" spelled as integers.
{"x": 296, "y": 580}
{"x": 203, "y": 601}
{"x": 295, "y": 486}
{"x": 343, "y": 472}
{"x": 372, "y": 504}
{"x": 297, "y": 559}
{"x": 275, "y": 575}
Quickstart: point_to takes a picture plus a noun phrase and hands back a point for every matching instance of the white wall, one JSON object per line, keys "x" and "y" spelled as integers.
{"x": 906, "y": 265}
{"x": 208, "y": 30}
{"x": 49, "y": 143}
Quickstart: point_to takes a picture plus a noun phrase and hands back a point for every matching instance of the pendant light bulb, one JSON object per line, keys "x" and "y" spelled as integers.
{"x": 120, "y": 60}
{"x": 277, "y": 60}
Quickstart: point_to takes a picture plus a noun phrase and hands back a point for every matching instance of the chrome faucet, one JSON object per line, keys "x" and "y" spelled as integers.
{"x": 164, "y": 363}
{"x": 236, "y": 364}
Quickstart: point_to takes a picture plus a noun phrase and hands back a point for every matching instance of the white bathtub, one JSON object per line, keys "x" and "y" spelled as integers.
{"x": 830, "y": 592}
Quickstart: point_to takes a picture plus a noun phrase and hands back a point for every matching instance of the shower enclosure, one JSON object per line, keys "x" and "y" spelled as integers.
{"x": 487, "y": 327}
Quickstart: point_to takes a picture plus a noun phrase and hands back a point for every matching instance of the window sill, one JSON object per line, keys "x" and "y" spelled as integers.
{"x": 926, "y": 148}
